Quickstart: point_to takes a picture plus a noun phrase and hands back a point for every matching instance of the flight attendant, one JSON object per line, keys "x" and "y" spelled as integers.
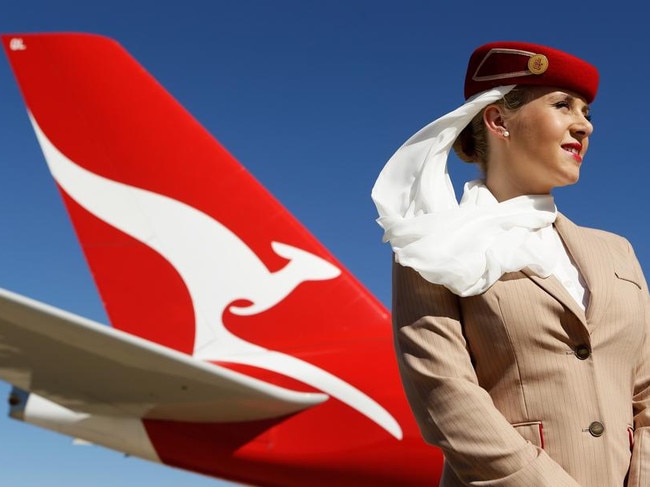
{"x": 522, "y": 338}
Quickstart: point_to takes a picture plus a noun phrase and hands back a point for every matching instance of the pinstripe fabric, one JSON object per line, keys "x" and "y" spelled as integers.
{"x": 508, "y": 383}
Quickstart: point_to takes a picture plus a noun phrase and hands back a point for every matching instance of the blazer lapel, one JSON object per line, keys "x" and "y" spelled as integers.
{"x": 555, "y": 288}
{"x": 594, "y": 263}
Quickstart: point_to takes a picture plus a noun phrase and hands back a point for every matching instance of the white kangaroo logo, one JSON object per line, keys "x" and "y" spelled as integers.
{"x": 271, "y": 288}
{"x": 217, "y": 267}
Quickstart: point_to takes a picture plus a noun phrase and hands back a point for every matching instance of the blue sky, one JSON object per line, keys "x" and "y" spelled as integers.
{"x": 313, "y": 98}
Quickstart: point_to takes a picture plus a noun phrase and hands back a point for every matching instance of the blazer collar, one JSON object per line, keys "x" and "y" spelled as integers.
{"x": 591, "y": 257}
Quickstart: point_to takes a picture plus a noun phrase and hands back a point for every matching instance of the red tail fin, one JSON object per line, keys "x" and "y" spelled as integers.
{"x": 181, "y": 192}
{"x": 189, "y": 251}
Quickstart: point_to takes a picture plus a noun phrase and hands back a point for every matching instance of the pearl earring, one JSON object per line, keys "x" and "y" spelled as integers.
{"x": 506, "y": 133}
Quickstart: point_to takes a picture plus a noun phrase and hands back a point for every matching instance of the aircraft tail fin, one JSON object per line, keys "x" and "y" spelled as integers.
{"x": 187, "y": 249}
{"x": 180, "y": 238}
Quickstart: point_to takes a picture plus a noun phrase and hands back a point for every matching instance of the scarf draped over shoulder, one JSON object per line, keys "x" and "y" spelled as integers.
{"x": 464, "y": 246}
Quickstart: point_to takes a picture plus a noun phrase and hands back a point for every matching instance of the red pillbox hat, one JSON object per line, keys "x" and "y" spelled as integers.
{"x": 522, "y": 63}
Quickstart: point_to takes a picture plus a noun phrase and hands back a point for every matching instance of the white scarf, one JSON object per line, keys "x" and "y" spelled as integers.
{"x": 465, "y": 247}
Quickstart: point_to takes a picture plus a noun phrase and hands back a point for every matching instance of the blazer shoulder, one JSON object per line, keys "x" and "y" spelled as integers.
{"x": 609, "y": 238}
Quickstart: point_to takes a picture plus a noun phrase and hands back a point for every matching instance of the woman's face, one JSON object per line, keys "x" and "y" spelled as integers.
{"x": 548, "y": 140}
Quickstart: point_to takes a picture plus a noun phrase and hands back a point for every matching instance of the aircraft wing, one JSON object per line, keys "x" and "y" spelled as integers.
{"x": 88, "y": 367}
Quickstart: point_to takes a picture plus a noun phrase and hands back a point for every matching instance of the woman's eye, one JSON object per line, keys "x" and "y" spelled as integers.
{"x": 569, "y": 105}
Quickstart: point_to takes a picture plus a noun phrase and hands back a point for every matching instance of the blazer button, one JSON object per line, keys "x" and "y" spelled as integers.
{"x": 596, "y": 429}
{"x": 583, "y": 352}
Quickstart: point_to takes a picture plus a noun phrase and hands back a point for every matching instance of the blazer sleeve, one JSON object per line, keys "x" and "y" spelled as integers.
{"x": 639, "y": 475}
{"x": 452, "y": 410}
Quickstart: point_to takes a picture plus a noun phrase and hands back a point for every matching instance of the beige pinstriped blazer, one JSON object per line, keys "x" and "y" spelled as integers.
{"x": 519, "y": 387}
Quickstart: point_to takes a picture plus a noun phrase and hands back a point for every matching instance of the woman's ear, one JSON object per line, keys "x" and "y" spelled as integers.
{"x": 494, "y": 121}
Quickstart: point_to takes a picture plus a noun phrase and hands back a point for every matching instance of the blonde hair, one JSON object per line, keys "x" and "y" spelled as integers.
{"x": 472, "y": 143}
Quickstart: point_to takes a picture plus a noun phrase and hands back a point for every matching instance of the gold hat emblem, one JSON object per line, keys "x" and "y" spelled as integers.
{"x": 538, "y": 64}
